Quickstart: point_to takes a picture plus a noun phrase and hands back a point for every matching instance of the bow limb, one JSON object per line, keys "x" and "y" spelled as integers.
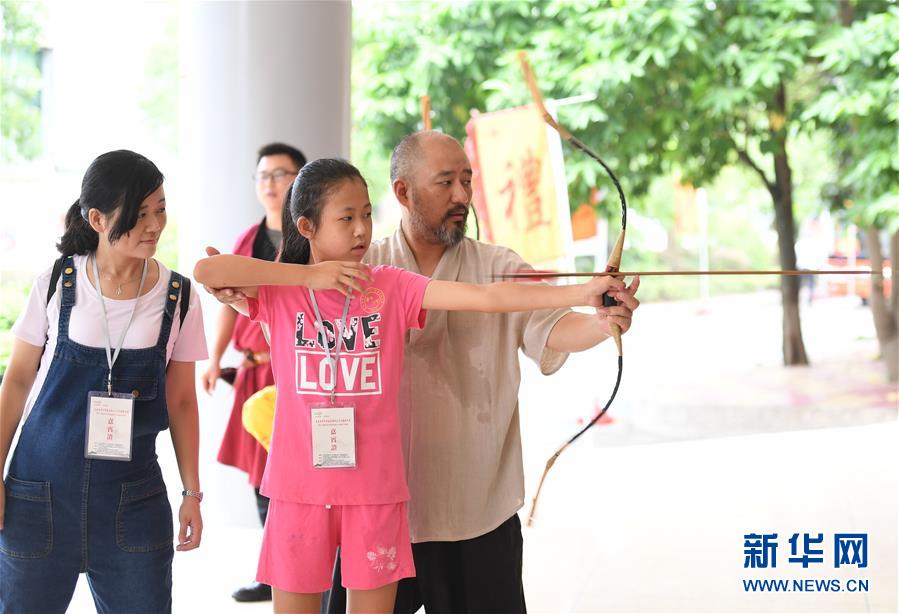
{"x": 613, "y": 265}
{"x": 531, "y": 81}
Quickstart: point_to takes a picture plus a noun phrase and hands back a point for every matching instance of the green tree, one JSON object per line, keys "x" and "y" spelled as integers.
{"x": 692, "y": 86}
{"x": 697, "y": 86}
{"x": 20, "y": 80}
{"x": 404, "y": 50}
{"x": 859, "y": 106}
{"x": 159, "y": 99}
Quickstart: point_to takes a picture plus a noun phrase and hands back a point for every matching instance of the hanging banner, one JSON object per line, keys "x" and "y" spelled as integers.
{"x": 515, "y": 191}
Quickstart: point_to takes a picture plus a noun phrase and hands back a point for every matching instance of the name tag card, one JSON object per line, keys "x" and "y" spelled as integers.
{"x": 333, "y": 437}
{"x": 110, "y": 419}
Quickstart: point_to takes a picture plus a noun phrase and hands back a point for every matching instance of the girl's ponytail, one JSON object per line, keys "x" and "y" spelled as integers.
{"x": 78, "y": 238}
{"x": 305, "y": 198}
{"x": 295, "y": 248}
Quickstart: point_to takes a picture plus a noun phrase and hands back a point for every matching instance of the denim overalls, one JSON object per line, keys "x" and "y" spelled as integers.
{"x": 66, "y": 514}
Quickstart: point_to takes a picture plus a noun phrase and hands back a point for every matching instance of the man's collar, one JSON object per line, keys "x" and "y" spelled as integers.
{"x": 449, "y": 266}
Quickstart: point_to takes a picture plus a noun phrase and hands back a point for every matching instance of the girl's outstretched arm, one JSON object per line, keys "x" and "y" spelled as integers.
{"x": 246, "y": 274}
{"x": 507, "y": 296}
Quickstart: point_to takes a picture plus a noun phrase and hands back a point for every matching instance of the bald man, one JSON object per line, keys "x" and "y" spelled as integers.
{"x": 459, "y": 392}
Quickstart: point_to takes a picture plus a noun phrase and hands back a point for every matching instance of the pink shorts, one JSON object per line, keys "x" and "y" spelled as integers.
{"x": 300, "y": 543}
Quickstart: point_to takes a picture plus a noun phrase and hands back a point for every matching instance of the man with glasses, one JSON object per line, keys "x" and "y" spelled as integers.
{"x": 277, "y": 166}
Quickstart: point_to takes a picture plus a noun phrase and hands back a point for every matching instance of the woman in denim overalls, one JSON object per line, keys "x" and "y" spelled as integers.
{"x": 66, "y": 511}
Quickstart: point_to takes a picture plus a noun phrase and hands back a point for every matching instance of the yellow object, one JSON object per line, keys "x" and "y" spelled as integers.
{"x": 516, "y": 176}
{"x": 583, "y": 222}
{"x": 258, "y": 416}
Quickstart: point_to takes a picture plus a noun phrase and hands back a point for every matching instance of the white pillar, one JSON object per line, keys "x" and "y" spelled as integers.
{"x": 251, "y": 73}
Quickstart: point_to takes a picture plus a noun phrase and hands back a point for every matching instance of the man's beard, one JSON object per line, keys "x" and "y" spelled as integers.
{"x": 444, "y": 233}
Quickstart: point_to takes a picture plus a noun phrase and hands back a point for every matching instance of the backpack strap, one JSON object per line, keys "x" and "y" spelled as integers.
{"x": 54, "y": 277}
{"x": 57, "y": 272}
{"x": 185, "y": 299}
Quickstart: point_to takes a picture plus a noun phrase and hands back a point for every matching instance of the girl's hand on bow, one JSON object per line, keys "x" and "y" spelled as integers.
{"x": 623, "y": 313}
{"x": 597, "y": 286}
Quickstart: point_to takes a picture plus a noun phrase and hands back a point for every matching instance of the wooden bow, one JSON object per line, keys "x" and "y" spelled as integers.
{"x": 612, "y": 266}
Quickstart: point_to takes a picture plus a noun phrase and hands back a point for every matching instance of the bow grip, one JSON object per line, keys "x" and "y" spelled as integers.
{"x": 608, "y": 301}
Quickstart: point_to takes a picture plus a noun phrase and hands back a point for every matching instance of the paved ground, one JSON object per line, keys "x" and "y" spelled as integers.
{"x": 710, "y": 438}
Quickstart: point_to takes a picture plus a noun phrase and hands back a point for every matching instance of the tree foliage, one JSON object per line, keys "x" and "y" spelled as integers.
{"x": 690, "y": 86}
{"x": 859, "y": 107}
{"x": 20, "y": 80}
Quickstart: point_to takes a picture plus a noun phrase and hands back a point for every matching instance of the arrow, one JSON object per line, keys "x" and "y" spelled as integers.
{"x": 552, "y": 274}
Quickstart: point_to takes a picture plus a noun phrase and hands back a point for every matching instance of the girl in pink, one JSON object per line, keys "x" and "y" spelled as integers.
{"x": 337, "y": 328}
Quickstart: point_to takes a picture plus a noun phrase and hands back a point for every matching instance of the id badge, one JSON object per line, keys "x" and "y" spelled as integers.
{"x": 110, "y": 418}
{"x": 333, "y": 436}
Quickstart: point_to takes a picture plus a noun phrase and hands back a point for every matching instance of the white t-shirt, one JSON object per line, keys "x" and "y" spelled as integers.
{"x": 39, "y": 321}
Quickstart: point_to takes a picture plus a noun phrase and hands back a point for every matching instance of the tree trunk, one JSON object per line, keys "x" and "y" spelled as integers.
{"x": 885, "y": 312}
{"x": 891, "y": 352}
{"x": 782, "y": 194}
{"x": 847, "y": 13}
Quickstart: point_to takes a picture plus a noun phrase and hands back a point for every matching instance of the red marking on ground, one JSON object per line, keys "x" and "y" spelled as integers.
{"x": 606, "y": 419}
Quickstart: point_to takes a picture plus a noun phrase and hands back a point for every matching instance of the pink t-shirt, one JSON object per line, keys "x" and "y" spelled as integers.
{"x": 368, "y": 376}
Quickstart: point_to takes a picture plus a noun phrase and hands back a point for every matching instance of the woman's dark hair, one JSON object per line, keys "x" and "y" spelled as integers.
{"x": 115, "y": 180}
{"x": 305, "y": 198}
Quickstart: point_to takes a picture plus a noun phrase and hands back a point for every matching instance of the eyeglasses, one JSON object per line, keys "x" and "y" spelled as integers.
{"x": 277, "y": 176}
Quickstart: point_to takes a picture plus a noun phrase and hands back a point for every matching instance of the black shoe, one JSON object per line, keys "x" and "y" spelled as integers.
{"x": 254, "y": 592}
